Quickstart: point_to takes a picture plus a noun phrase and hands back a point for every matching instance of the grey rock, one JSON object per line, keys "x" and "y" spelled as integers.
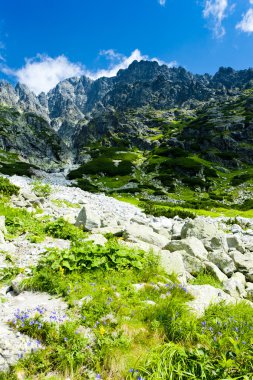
{"x": 88, "y": 219}
{"x": 172, "y": 262}
{"x": 146, "y": 234}
{"x": 207, "y": 231}
{"x": 235, "y": 242}
{"x": 206, "y": 295}
{"x": 235, "y": 285}
{"x": 223, "y": 261}
{"x": 191, "y": 245}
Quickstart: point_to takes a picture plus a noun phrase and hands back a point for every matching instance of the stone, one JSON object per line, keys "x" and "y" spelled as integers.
{"x": 207, "y": 231}
{"x": 192, "y": 264}
{"x": 206, "y": 295}
{"x": 88, "y": 218}
{"x": 191, "y": 245}
{"x": 244, "y": 263}
{"x": 215, "y": 271}
{"x": 176, "y": 230}
{"x": 236, "y": 229}
{"x": 223, "y": 261}
{"x": 146, "y": 234}
{"x": 234, "y": 242}
{"x": 172, "y": 262}
{"x": 235, "y": 285}
{"x": 16, "y": 283}
{"x": 138, "y": 244}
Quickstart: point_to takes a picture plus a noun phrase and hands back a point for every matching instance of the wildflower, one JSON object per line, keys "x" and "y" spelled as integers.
{"x": 98, "y": 376}
{"x": 203, "y": 323}
{"x": 131, "y": 370}
{"x": 102, "y": 330}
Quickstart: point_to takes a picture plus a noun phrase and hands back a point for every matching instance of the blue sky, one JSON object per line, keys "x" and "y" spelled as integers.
{"x": 42, "y": 42}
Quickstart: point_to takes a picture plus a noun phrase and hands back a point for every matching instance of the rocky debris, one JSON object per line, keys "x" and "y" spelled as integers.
{"x": 191, "y": 245}
{"x": 14, "y": 345}
{"x": 207, "y": 231}
{"x": 235, "y": 285}
{"x": 173, "y": 263}
{"x": 206, "y": 295}
{"x": 88, "y": 219}
{"x": 146, "y": 234}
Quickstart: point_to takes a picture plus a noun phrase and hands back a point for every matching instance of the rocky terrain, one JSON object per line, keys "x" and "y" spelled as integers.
{"x": 89, "y": 283}
{"x": 186, "y": 248}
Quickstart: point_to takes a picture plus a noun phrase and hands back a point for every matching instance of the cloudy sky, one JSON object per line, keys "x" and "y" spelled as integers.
{"x": 43, "y": 42}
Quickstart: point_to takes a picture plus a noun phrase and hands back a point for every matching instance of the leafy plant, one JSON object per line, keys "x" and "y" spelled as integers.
{"x": 88, "y": 256}
{"x": 62, "y": 229}
{"x": 7, "y": 188}
{"x": 41, "y": 189}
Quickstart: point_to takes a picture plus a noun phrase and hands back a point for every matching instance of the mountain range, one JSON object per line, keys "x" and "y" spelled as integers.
{"x": 150, "y": 129}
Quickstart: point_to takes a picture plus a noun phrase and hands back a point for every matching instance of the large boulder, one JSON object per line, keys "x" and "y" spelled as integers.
{"x": 244, "y": 263}
{"x": 88, "y": 219}
{"x": 192, "y": 264}
{"x": 206, "y": 295}
{"x": 235, "y": 285}
{"x": 191, "y": 245}
{"x": 207, "y": 231}
{"x": 215, "y": 271}
{"x": 223, "y": 261}
{"x": 146, "y": 234}
{"x": 234, "y": 242}
{"x": 172, "y": 262}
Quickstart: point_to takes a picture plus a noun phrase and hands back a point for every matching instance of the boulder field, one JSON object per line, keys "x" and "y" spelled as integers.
{"x": 185, "y": 248}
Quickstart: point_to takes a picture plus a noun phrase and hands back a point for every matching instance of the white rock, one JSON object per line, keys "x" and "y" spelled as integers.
{"x": 235, "y": 285}
{"x": 88, "y": 218}
{"x": 216, "y": 272}
{"x": 146, "y": 234}
{"x": 207, "y": 231}
{"x": 223, "y": 261}
{"x": 172, "y": 262}
{"x": 191, "y": 245}
{"x": 235, "y": 242}
{"x": 206, "y": 295}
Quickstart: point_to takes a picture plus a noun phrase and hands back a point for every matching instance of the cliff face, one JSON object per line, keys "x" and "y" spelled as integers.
{"x": 79, "y": 112}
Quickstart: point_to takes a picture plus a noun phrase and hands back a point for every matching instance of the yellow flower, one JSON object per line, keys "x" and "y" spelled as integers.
{"x": 61, "y": 270}
{"x": 102, "y": 330}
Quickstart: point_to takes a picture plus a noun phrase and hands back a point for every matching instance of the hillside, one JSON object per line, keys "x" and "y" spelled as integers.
{"x": 126, "y": 233}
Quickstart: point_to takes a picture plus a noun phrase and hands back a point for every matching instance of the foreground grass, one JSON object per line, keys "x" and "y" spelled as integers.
{"x": 144, "y": 334}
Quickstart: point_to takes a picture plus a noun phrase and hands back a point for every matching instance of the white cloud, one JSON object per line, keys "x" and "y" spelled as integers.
{"x": 162, "y": 2}
{"x": 43, "y": 73}
{"x": 216, "y": 10}
{"x": 118, "y": 62}
{"x": 246, "y": 24}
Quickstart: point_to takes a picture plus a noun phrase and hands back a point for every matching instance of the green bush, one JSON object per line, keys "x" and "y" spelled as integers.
{"x": 41, "y": 189}
{"x": 62, "y": 229}
{"x": 7, "y": 188}
{"x": 89, "y": 256}
{"x": 169, "y": 212}
{"x": 102, "y": 165}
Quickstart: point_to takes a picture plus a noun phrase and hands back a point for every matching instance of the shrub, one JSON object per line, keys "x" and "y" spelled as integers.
{"x": 41, "y": 189}
{"x": 88, "y": 256}
{"x": 7, "y": 188}
{"x": 62, "y": 229}
{"x": 169, "y": 212}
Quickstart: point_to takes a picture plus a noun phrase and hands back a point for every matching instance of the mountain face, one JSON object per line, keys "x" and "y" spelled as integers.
{"x": 142, "y": 84}
{"x": 164, "y": 113}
